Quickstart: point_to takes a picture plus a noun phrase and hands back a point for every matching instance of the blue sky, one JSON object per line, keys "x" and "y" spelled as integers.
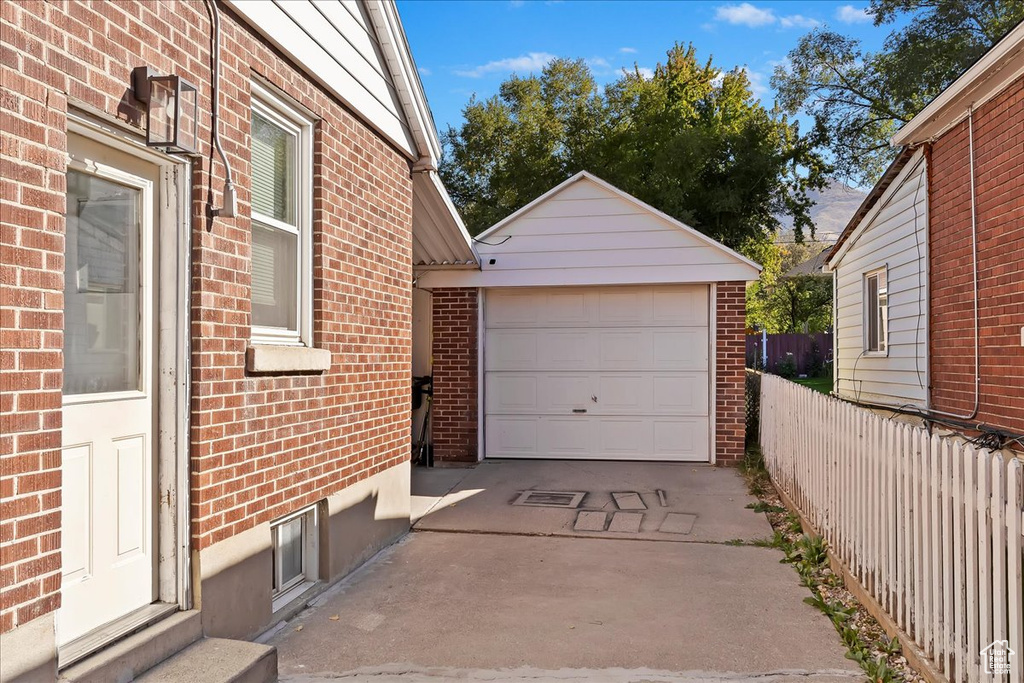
{"x": 464, "y": 47}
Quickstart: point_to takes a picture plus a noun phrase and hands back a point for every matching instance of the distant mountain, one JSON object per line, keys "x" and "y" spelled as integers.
{"x": 833, "y": 208}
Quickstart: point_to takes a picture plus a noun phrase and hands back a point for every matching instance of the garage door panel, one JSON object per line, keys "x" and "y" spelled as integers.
{"x": 682, "y": 306}
{"x": 594, "y": 350}
{"x": 685, "y": 439}
{"x": 567, "y": 436}
{"x": 602, "y": 372}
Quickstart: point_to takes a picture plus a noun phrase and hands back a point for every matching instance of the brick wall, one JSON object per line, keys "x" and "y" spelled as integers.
{"x": 261, "y": 446}
{"x": 730, "y": 416}
{"x": 454, "y": 420}
{"x": 999, "y": 182}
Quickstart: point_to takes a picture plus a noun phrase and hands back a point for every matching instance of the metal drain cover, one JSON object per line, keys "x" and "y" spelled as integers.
{"x": 569, "y": 500}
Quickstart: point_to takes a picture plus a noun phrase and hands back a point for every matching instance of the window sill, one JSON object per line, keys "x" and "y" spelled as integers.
{"x": 876, "y": 354}
{"x": 275, "y": 358}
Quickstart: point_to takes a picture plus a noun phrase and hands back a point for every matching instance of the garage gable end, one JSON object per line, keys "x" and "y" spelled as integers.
{"x": 588, "y": 232}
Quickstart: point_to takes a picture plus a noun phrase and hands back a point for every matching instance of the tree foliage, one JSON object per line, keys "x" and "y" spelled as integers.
{"x": 798, "y": 303}
{"x": 690, "y": 140}
{"x": 859, "y": 99}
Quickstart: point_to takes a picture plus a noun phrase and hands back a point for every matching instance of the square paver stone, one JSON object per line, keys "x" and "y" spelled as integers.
{"x": 590, "y": 520}
{"x": 626, "y": 522}
{"x": 629, "y": 500}
{"x": 677, "y": 523}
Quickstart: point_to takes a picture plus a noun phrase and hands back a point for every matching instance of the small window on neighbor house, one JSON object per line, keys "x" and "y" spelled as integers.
{"x": 876, "y": 311}
{"x": 294, "y": 548}
{"x": 282, "y": 194}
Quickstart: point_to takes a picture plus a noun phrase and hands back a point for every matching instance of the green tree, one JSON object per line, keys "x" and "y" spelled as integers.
{"x": 779, "y": 302}
{"x": 691, "y": 140}
{"x": 859, "y": 99}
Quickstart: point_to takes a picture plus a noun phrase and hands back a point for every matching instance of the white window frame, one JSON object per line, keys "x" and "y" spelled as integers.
{"x": 874, "y": 309}
{"x": 282, "y": 595}
{"x": 278, "y": 111}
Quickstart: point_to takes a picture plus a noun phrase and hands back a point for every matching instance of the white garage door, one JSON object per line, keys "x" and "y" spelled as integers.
{"x": 611, "y": 373}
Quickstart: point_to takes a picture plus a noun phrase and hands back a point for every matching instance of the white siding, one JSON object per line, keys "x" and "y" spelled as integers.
{"x": 334, "y": 42}
{"x": 894, "y": 236}
{"x": 588, "y": 234}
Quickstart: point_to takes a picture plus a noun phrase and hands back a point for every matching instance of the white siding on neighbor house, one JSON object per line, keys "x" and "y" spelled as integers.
{"x": 894, "y": 236}
{"x": 588, "y": 234}
{"x": 334, "y": 41}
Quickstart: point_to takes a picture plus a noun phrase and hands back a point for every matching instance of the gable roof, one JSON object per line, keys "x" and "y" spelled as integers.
{"x": 986, "y": 78}
{"x": 586, "y": 175}
{"x": 880, "y": 188}
{"x": 587, "y": 232}
{"x": 812, "y": 266}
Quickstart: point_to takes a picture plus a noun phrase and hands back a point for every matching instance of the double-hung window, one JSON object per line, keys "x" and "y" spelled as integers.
{"x": 282, "y": 205}
{"x": 876, "y": 312}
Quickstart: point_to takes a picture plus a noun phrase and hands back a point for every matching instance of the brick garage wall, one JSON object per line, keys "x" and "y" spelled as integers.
{"x": 454, "y": 346}
{"x": 261, "y": 446}
{"x": 730, "y": 340}
{"x": 999, "y": 182}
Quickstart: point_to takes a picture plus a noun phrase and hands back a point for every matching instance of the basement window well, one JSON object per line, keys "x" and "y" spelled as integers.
{"x": 294, "y": 545}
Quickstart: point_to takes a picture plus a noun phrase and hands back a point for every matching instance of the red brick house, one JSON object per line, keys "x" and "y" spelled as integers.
{"x": 595, "y": 327}
{"x": 930, "y": 271}
{"x": 205, "y": 372}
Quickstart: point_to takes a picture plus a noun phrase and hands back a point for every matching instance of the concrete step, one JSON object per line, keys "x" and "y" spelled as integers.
{"x": 218, "y": 660}
{"x": 126, "y": 659}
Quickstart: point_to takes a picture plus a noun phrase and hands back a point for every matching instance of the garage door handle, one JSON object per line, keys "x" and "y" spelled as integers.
{"x": 579, "y": 410}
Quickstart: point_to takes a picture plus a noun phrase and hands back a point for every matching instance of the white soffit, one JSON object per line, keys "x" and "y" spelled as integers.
{"x": 989, "y": 76}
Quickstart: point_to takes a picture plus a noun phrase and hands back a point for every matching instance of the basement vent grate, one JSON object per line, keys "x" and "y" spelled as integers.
{"x": 569, "y": 500}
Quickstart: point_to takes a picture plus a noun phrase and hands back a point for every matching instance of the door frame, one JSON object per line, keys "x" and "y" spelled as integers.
{"x": 712, "y": 303}
{"x": 172, "y": 240}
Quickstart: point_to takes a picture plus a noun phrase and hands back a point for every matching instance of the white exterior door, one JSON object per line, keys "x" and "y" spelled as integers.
{"x": 611, "y": 373}
{"x": 108, "y": 548}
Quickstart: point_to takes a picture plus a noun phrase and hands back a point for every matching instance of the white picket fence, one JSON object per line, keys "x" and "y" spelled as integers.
{"x": 930, "y": 526}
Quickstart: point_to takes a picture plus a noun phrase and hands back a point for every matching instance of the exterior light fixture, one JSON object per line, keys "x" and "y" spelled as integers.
{"x": 171, "y": 110}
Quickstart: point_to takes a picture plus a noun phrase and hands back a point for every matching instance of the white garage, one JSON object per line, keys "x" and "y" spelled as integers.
{"x": 599, "y": 334}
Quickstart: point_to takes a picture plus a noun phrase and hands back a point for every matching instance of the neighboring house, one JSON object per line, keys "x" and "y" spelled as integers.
{"x": 204, "y": 415}
{"x": 595, "y": 327}
{"x": 813, "y": 266}
{"x": 930, "y": 272}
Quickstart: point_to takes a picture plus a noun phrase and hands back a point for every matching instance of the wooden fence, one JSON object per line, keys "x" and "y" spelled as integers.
{"x": 930, "y": 526}
{"x": 805, "y": 350}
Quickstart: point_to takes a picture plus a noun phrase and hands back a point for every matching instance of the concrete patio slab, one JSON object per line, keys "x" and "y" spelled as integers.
{"x": 480, "y": 501}
{"x": 485, "y": 607}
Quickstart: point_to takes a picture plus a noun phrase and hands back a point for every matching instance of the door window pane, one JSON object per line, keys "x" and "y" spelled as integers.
{"x": 274, "y": 277}
{"x": 101, "y": 286}
{"x": 273, "y": 170}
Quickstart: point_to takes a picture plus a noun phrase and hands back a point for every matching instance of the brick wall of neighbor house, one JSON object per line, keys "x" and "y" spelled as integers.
{"x": 262, "y": 446}
{"x": 999, "y": 181}
{"x": 454, "y": 351}
{"x": 730, "y": 412}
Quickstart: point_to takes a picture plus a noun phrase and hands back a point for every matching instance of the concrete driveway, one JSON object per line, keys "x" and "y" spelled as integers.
{"x": 650, "y": 577}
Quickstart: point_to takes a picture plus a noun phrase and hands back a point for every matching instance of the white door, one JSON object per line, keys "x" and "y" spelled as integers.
{"x": 611, "y": 373}
{"x": 108, "y": 453}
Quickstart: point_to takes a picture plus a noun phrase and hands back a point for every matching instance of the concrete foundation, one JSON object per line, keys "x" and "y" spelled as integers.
{"x": 234, "y": 587}
{"x": 29, "y": 652}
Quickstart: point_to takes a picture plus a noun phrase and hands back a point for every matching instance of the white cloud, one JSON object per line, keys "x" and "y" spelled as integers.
{"x": 516, "y": 3}
{"x": 798, "y": 20}
{"x": 627, "y": 50}
{"x": 424, "y": 71}
{"x": 598, "y": 63}
{"x": 745, "y": 14}
{"x": 524, "y": 63}
{"x": 648, "y": 74}
{"x": 848, "y": 14}
{"x": 758, "y": 83}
